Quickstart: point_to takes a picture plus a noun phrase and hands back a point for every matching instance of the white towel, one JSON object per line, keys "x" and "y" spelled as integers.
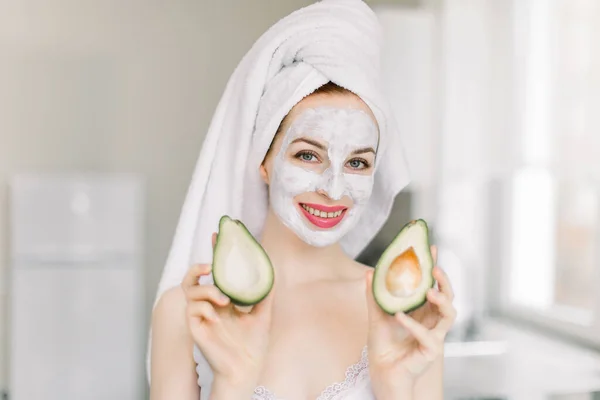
{"x": 331, "y": 40}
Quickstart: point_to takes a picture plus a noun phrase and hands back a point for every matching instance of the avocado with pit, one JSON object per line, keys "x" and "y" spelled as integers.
{"x": 241, "y": 268}
{"x": 403, "y": 274}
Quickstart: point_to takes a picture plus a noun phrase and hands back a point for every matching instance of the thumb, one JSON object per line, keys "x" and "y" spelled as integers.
{"x": 214, "y": 239}
{"x": 434, "y": 253}
{"x": 265, "y": 305}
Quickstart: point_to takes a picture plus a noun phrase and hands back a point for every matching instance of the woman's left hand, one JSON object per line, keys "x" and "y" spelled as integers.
{"x": 402, "y": 346}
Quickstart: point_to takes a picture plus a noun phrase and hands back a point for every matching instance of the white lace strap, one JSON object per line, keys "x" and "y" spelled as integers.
{"x": 354, "y": 374}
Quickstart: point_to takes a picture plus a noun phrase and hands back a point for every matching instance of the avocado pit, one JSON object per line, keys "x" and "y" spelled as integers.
{"x": 404, "y": 274}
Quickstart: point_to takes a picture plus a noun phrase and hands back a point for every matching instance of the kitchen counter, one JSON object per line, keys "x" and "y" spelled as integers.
{"x": 572, "y": 396}
{"x": 507, "y": 362}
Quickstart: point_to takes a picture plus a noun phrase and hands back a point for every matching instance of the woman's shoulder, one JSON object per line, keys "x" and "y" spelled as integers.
{"x": 365, "y": 267}
{"x": 360, "y": 268}
{"x": 353, "y": 281}
{"x": 169, "y": 298}
{"x": 170, "y": 310}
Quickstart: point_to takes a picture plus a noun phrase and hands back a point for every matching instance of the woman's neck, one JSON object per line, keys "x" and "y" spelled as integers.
{"x": 297, "y": 262}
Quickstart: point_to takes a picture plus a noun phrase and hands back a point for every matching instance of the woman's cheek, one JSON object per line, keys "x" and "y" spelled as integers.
{"x": 360, "y": 187}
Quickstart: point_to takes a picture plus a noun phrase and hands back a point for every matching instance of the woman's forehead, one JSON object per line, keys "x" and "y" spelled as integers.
{"x": 348, "y": 126}
{"x": 334, "y": 100}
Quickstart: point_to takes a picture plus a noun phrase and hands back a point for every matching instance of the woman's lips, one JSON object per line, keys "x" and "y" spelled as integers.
{"x": 323, "y": 222}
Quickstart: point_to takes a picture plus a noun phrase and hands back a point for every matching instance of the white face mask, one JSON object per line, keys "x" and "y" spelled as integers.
{"x": 344, "y": 130}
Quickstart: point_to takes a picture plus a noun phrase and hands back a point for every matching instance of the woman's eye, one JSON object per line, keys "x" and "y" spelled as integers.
{"x": 307, "y": 156}
{"x": 357, "y": 163}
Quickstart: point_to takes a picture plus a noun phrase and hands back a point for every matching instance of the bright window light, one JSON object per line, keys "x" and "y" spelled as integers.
{"x": 533, "y": 250}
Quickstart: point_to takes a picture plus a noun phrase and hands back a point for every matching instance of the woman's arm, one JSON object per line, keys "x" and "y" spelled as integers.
{"x": 173, "y": 373}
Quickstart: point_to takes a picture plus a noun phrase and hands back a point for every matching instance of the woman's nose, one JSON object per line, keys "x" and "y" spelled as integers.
{"x": 323, "y": 193}
{"x": 335, "y": 187}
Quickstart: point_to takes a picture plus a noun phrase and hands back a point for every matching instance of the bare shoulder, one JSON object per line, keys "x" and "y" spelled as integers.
{"x": 170, "y": 310}
{"x": 360, "y": 281}
{"x": 362, "y": 268}
{"x": 169, "y": 325}
{"x": 356, "y": 279}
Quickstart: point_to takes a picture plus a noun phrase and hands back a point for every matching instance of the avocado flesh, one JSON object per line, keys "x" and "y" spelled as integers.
{"x": 241, "y": 268}
{"x": 403, "y": 274}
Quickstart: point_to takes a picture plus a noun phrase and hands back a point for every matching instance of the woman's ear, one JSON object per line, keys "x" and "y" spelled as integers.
{"x": 264, "y": 173}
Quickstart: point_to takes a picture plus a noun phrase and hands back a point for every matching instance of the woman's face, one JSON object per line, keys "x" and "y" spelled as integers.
{"x": 320, "y": 168}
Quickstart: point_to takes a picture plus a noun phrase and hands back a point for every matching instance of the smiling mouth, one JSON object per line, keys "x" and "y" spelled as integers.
{"x": 321, "y": 216}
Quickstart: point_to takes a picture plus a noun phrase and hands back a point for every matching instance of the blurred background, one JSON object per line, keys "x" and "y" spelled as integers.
{"x": 103, "y": 108}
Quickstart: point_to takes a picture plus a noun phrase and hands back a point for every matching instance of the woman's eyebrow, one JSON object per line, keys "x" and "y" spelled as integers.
{"x": 311, "y": 142}
{"x": 324, "y": 148}
{"x": 363, "y": 150}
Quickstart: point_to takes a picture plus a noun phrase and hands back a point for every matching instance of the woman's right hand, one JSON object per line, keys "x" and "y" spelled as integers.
{"x": 233, "y": 342}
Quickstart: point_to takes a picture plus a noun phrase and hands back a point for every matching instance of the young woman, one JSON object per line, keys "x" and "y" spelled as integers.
{"x": 319, "y": 333}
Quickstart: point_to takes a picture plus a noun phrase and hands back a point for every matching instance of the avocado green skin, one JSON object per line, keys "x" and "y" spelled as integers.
{"x": 423, "y": 300}
{"x": 232, "y": 297}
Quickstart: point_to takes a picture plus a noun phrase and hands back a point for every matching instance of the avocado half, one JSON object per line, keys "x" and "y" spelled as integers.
{"x": 403, "y": 274}
{"x": 241, "y": 268}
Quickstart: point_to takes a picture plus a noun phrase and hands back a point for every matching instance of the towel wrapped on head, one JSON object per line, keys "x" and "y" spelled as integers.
{"x": 331, "y": 40}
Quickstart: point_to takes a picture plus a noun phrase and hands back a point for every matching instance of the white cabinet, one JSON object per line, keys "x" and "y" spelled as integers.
{"x": 76, "y": 310}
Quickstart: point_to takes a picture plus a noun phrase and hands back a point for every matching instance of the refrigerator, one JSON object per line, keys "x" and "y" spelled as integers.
{"x": 76, "y": 287}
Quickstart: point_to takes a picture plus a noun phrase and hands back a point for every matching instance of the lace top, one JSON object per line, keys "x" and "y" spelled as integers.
{"x": 356, "y": 385}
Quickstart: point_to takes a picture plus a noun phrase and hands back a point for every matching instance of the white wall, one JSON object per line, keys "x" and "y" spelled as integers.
{"x": 117, "y": 86}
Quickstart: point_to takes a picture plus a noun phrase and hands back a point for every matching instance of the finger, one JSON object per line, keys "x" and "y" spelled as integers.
{"x": 443, "y": 282}
{"x": 202, "y": 310}
{"x": 214, "y": 239}
{"x": 207, "y": 293}
{"x": 424, "y": 336}
{"x": 263, "y": 307}
{"x": 375, "y": 313}
{"x": 434, "y": 253}
{"x": 194, "y": 273}
{"x": 446, "y": 309}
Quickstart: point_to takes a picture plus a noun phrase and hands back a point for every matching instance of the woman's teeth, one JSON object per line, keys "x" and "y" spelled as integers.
{"x": 322, "y": 214}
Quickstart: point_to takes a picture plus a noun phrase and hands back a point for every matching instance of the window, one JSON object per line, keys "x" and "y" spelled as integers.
{"x": 552, "y": 244}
